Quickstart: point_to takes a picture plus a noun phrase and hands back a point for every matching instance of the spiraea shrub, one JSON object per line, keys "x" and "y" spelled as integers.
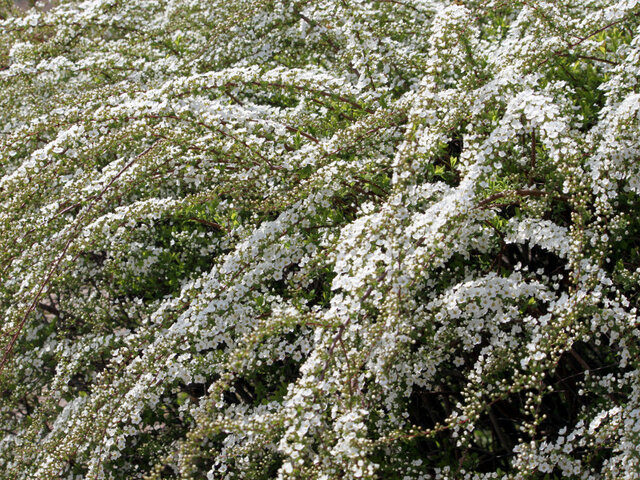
{"x": 332, "y": 239}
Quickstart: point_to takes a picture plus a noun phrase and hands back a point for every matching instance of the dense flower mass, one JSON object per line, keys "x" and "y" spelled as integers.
{"x": 332, "y": 239}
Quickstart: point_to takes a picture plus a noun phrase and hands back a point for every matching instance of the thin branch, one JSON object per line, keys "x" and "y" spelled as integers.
{"x": 486, "y": 203}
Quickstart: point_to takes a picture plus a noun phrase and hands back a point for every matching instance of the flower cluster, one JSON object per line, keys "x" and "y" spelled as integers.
{"x": 320, "y": 240}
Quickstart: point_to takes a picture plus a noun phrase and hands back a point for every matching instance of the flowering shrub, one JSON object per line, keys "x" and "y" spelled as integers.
{"x": 320, "y": 240}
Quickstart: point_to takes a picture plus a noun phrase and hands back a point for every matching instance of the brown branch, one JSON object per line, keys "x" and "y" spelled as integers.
{"x": 208, "y": 223}
{"x": 304, "y": 134}
{"x": 598, "y": 31}
{"x": 589, "y": 57}
{"x": 583, "y": 39}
